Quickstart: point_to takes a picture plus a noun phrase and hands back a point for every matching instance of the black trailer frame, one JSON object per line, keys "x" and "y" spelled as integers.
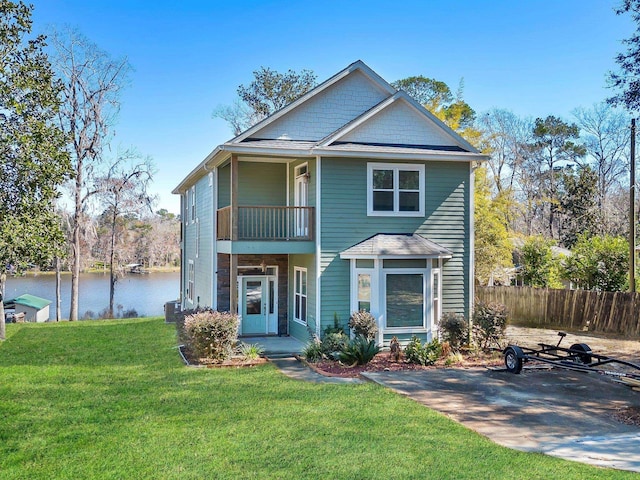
{"x": 577, "y": 357}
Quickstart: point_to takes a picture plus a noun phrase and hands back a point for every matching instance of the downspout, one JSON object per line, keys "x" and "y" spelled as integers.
{"x": 214, "y": 245}
{"x": 318, "y": 245}
{"x": 472, "y": 234}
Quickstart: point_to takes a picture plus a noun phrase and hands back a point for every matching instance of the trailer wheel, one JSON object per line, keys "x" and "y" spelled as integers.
{"x": 585, "y": 352}
{"x": 513, "y": 359}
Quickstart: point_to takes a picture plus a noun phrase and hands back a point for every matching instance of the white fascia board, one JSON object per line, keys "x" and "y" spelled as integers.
{"x": 328, "y": 152}
{"x": 444, "y": 156}
{"x": 196, "y": 172}
{"x": 370, "y": 256}
{"x": 280, "y": 152}
{"x": 357, "y": 65}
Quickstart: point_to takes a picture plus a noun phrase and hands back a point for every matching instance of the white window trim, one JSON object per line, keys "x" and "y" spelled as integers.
{"x": 299, "y": 168}
{"x": 436, "y": 294}
{"x": 191, "y": 284}
{"x": 396, "y": 167}
{"x": 296, "y": 294}
{"x": 379, "y": 294}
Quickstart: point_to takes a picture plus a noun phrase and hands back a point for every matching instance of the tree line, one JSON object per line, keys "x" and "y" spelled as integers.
{"x": 59, "y": 100}
{"x": 551, "y": 204}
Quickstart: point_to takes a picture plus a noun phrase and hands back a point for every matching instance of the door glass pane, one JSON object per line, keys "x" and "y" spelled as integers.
{"x": 405, "y": 300}
{"x": 272, "y": 296}
{"x": 409, "y": 201}
{"x": 409, "y": 180}
{"x": 383, "y": 201}
{"x": 382, "y": 179}
{"x": 253, "y": 298}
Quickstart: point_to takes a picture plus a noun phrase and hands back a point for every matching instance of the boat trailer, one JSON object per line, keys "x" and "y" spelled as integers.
{"x": 578, "y": 357}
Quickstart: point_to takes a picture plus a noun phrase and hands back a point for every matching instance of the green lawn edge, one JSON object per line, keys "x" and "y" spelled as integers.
{"x": 111, "y": 399}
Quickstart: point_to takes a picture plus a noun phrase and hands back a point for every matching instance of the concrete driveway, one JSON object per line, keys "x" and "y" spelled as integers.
{"x": 557, "y": 412}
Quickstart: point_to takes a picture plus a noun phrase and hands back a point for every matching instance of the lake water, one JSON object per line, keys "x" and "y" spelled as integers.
{"x": 146, "y": 294}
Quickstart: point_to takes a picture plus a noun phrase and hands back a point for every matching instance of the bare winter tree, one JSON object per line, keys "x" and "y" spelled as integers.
{"x": 123, "y": 192}
{"x": 605, "y": 134}
{"x": 506, "y": 137}
{"x": 90, "y": 102}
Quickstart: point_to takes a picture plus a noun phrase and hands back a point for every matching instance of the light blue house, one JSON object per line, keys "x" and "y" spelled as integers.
{"x": 352, "y": 197}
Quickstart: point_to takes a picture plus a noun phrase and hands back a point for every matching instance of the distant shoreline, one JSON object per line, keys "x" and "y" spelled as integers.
{"x": 35, "y": 273}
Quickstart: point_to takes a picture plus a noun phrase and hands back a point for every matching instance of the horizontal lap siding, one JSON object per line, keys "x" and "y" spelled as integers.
{"x": 203, "y": 262}
{"x": 345, "y": 223}
{"x": 224, "y": 186}
{"x": 262, "y": 184}
{"x": 296, "y": 329}
{"x": 447, "y": 223}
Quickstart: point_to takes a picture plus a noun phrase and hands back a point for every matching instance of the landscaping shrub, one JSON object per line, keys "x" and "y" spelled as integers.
{"x": 359, "y": 351}
{"x": 489, "y": 324}
{"x": 334, "y": 343}
{"x": 212, "y": 334}
{"x": 363, "y": 323}
{"x": 453, "y": 329}
{"x": 425, "y": 354}
{"x": 336, "y": 328}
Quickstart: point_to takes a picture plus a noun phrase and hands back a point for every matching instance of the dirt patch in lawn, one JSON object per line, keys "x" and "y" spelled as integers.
{"x": 609, "y": 345}
{"x": 628, "y": 415}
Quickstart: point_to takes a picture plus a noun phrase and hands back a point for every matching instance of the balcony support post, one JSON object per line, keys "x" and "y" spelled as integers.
{"x": 233, "y": 283}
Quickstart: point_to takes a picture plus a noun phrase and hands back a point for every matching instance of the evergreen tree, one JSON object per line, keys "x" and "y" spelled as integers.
{"x": 33, "y": 161}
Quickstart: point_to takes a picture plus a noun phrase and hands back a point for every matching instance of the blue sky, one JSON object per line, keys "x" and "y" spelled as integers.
{"x": 536, "y": 58}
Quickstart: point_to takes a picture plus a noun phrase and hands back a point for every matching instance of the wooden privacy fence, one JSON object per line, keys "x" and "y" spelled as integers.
{"x": 606, "y": 312}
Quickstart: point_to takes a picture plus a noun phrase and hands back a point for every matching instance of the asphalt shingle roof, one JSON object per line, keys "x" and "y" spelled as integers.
{"x": 397, "y": 245}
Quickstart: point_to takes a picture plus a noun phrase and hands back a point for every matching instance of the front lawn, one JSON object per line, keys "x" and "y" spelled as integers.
{"x": 111, "y": 399}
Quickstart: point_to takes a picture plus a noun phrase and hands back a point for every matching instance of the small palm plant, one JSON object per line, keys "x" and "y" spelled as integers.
{"x": 359, "y": 351}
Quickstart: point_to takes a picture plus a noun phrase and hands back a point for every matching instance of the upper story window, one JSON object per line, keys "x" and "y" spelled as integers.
{"x": 193, "y": 204}
{"x": 395, "y": 189}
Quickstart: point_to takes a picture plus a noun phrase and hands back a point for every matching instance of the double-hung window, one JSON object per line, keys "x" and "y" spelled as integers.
{"x": 395, "y": 189}
{"x": 193, "y": 204}
{"x": 191, "y": 281}
{"x": 300, "y": 295}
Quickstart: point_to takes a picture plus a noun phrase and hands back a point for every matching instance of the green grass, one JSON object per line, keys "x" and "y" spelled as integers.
{"x": 111, "y": 399}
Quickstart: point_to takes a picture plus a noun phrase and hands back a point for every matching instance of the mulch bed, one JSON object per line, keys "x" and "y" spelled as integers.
{"x": 383, "y": 362}
{"x": 193, "y": 360}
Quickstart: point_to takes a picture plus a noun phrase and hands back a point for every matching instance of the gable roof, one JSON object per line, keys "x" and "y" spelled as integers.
{"x": 396, "y": 245}
{"x": 356, "y": 67}
{"x": 355, "y": 113}
{"x": 427, "y": 126}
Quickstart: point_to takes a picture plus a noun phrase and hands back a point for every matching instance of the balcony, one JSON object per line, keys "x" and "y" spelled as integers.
{"x": 257, "y": 223}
